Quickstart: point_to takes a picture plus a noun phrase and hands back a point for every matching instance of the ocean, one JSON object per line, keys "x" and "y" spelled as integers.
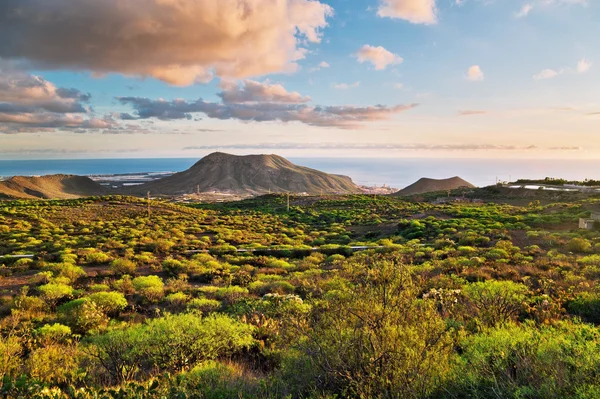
{"x": 365, "y": 171}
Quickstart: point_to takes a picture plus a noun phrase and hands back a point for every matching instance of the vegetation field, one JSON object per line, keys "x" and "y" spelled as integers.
{"x": 338, "y": 296}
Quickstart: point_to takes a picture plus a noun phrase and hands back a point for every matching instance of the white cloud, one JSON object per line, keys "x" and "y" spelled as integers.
{"x": 546, "y": 74}
{"x": 583, "y": 65}
{"x": 178, "y": 41}
{"x": 253, "y": 91}
{"x": 398, "y": 86}
{"x": 29, "y": 103}
{"x": 378, "y": 56}
{"x": 415, "y": 11}
{"x": 346, "y": 86}
{"x": 324, "y": 64}
{"x": 475, "y": 73}
{"x": 524, "y": 11}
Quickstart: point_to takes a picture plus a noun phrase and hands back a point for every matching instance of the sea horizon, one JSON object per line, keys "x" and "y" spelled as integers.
{"x": 394, "y": 172}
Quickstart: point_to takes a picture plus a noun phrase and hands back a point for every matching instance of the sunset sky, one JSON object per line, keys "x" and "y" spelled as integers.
{"x": 339, "y": 78}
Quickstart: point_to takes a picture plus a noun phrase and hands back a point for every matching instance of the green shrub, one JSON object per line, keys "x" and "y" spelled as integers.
{"x": 587, "y": 306}
{"x": 150, "y": 288}
{"x": 495, "y": 302}
{"x": 53, "y": 292}
{"x": 231, "y": 293}
{"x": 55, "y": 364}
{"x": 99, "y": 288}
{"x": 171, "y": 343}
{"x": 109, "y": 302}
{"x": 579, "y": 245}
{"x": 529, "y": 362}
{"x": 205, "y": 305}
{"x": 123, "y": 266}
{"x": 10, "y": 356}
{"x": 177, "y": 298}
{"x": 97, "y": 258}
{"x": 82, "y": 315}
{"x": 53, "y": 333}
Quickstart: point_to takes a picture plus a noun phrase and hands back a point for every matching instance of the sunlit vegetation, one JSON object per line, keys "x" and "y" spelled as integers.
{"x": 350, "y": 296}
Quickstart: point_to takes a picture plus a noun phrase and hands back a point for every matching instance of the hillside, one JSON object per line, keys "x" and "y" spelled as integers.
{"x": 51, "y": 186}
{"x": 426, "y": 185}
{"x": 250, "y": 174}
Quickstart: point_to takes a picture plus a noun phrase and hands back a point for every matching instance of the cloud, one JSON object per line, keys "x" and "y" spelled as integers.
{"x": 25, "y": 92}
{"x": 475, "y": 73}
{"x": 524, "y": 11}
{"x": 583, "y": 65}
{"x": 398, "y": 86}
{"x": 31, "y": 103}
{"x": 414, "y": 11}
{"x": 253, "y": 91}
{"x": 380, "y": 147}
{"x": 378, "y": 56}
{"x": 346, "y": 117}
{"x": 469, "y": 112}
{"x": 546, "y": 74}
{"x": 321, "y": 65}
{"x": 177, "y": 41}
{"x": 345, "y": 86}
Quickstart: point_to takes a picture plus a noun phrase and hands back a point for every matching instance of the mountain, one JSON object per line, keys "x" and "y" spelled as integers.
{"x": 250, "y": 174}
{"x": 426, "y": 185}
{"x": 51, "y": 186}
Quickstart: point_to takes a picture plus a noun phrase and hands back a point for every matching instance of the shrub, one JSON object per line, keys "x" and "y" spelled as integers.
{"x": 579, "y": 245}
{"x": 223, "y": 250}
{"x": 171, "y": 343}
{"x": 67, "y": 270}
{"x": 10, "y": 356}
{"x": 109, "y": 302}
{"x": 586, "y": 306}
{"x": 124, "y": 285}
{"x": 205, "y": 305}
{"x": 150, "y": 288}
{"x": 82, "y": 315}
{"x": 99, "y": 287}
{"x": 97, "y": 258}
{"x": 174, "y": 267}
{"x": 495, "y": 302}
{"x": 377, "y": 340}
{"x": 53, "y": 333}
{"x": 53, "y": 292}
{"x": 529, "y": 362}
{"x": 123, "y": 266}
{"x": 177, "y": 298}
{"x": 231, "y": 294}
{"x": 214, "y": 380}
{"x": 54, "y": 364}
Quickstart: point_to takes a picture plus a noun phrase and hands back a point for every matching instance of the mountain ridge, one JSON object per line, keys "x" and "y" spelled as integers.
{"x": 427, "y": 185}
{"x": 58, "y": 186}
{"x": 247, "y": 174}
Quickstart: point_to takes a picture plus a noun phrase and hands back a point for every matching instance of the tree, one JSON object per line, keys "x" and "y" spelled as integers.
{"x": 378, "y": 339}
{"x": 495, "y": 302}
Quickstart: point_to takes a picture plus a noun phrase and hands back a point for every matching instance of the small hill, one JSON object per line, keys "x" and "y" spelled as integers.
{"x": 49, "y": 187}
{"x": 250, "y": 174}
{"x": 426, "y": 185}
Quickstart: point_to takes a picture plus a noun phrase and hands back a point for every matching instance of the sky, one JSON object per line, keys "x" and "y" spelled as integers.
{"x": 300, "y": 78}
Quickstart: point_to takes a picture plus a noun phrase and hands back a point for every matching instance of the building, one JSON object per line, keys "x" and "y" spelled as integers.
{"x": 588, "y": 223}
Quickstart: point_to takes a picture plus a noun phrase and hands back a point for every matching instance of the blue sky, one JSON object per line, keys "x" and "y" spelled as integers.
{"x": 440, "y": 79}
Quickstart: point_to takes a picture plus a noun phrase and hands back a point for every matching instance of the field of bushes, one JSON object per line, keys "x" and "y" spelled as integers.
{"x": 121, "y": 298}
